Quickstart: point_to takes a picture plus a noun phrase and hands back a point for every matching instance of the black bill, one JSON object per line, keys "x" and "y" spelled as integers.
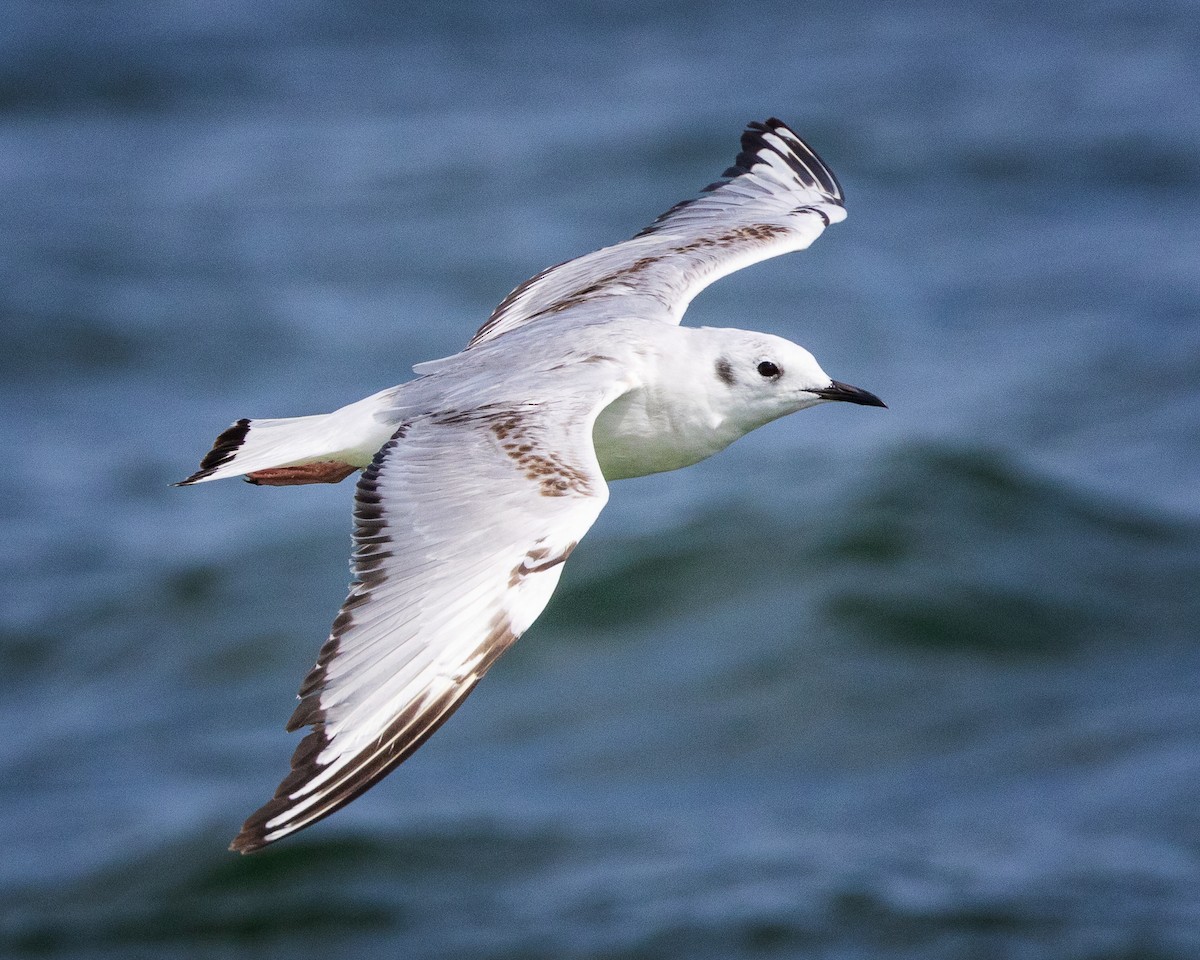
{"x": 843, "y": 391}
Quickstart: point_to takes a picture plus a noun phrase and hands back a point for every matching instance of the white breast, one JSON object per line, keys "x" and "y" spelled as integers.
{"x": 651, "y": 430}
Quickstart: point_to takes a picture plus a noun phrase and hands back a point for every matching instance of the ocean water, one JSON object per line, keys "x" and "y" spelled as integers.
{"x": 915, "y": 683}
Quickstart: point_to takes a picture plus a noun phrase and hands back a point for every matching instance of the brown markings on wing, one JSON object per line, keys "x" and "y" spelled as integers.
{"x": 554, "y": 476}
{"x": 754, "y": 233}
{"x": 566, "y": 301}
{"x": 512, "y": 432}
{"x": 539, "y": 560}
{"x": 761, "y": 232}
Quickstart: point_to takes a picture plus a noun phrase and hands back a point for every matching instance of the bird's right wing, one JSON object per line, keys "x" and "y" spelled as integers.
{"x": 777, "y": 197}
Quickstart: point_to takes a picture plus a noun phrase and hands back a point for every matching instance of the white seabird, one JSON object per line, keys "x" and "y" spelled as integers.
{"x": 481, "y": 475}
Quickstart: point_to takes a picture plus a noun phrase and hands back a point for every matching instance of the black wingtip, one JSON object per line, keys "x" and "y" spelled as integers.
{"x": 304, "y": 766}
{"x": 253, "y": 835}
{"x": 803, "y": 160}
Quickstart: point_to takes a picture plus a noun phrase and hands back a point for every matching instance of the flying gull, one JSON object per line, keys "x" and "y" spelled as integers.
{"x": 480, "y": 476}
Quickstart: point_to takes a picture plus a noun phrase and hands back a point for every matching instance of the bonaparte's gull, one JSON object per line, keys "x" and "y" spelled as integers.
{"x": 480, "y": 476}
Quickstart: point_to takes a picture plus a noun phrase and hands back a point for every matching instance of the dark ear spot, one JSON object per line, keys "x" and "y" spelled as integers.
{"x": 725, "y": 371}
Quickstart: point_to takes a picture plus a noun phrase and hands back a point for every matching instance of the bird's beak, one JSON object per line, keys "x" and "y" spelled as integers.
{"x": 843, "y": 391}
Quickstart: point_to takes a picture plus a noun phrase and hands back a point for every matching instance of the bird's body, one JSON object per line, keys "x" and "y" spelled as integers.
{"x": 482, "y": 474}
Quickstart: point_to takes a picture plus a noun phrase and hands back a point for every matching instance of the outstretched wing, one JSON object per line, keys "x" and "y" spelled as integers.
{"x": 777, "y": 197}
{"x": 462, "y": 524}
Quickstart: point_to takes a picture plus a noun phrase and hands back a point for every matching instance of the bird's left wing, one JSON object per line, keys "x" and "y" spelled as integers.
{"x": 462, "y": 524}
{"x": 777, "y": 197}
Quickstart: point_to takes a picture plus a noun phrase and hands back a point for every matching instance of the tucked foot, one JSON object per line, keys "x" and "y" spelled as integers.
{"x": 327, "y": 471}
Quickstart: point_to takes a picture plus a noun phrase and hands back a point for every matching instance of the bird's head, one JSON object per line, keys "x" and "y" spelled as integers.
{"x": 762, "y": 377}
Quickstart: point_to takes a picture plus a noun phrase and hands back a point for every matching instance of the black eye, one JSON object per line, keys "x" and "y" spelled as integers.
{"x": 768, "y": 370}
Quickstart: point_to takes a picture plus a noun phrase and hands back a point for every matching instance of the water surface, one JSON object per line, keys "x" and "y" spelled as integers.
{"x": 907, "y": 684}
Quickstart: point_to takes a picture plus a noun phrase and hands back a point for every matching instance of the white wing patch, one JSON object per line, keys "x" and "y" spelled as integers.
{"x": 462, "y": 524}
{"x": 777, "y": 197}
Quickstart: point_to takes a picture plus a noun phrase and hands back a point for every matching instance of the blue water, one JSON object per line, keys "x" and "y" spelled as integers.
{"x": 916, "y": 683}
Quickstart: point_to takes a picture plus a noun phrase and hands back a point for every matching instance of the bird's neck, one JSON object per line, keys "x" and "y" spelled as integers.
{"x": 670, "y": 420}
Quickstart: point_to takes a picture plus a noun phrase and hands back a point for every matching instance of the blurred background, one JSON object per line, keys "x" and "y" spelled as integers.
{"x": 916, "y": 683}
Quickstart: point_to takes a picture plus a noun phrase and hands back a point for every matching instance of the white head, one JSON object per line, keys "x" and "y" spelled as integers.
{"x": 705, "y": 388}
{"x": 766, "y": 377}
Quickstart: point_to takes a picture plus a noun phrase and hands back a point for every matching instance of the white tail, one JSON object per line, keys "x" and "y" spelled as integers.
{"x": 347, "y": 438}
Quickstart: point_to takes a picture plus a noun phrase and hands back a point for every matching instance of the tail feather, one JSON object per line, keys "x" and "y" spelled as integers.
{"x": 349, "y": 436}
{"x": 224, "y": 449}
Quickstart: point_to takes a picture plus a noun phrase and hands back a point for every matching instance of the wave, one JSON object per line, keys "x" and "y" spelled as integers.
{"x": 941, "y": 546}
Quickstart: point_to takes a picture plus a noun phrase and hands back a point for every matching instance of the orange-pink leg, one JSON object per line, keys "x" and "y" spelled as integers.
{"x": 327, "y": 471}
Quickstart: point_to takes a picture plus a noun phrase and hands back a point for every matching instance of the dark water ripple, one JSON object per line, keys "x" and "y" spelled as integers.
{"x": 940, "y": 546}
{"x": 928, "y": 541}
{"x": 678, "y": 902}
